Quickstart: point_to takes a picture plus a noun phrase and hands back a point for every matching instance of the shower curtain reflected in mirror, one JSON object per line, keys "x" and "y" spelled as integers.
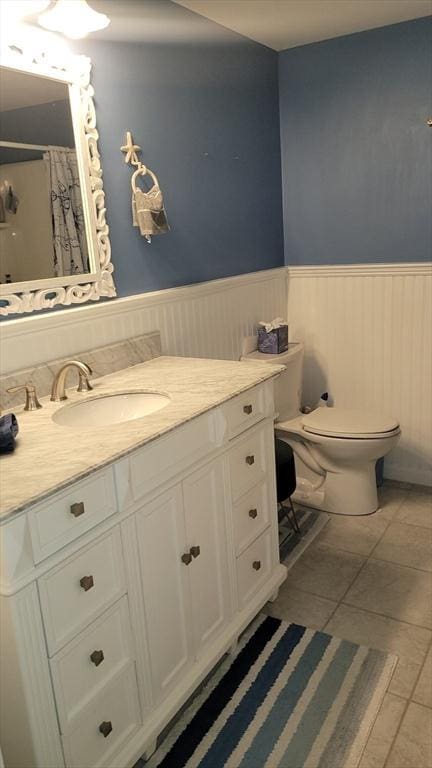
{"x": 69, "y": 236}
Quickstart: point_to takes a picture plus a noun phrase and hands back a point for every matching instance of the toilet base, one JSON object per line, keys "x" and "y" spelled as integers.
{"x": 336, "y": 475}
{"x": 351, "y": 492}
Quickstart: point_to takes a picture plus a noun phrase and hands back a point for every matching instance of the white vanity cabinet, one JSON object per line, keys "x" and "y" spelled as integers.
{"x": 120, "y": 593}
{"x": 182, "y": 544}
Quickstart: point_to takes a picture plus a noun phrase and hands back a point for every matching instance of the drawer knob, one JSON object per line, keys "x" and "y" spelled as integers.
{"x": 77, "y": 509}
{"x": 195, "y": 551}
{"x": 87, "y": 582}
{"x": 106, "y": 728}
{"x": 247, "y": 409}
{"x": 97, "y": 657}
{"x": 256, "y": 565}
{"x": 250, "y": 460}
{"x": 186, "y": 558}
{"x": 253, "y": 513}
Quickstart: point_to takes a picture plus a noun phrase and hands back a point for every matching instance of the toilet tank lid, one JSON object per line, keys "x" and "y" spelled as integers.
{"x": 283, "y": 358}
{"x": 344, "y": 421}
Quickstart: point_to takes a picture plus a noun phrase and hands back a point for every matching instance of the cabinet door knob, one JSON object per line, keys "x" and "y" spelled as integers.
{"x": 253, "y": 513}
{"x": 97, "y": 657}
{"x": 250, "y": 460}
{"x": 87, "y": 582}
{"x": 247, "y": 409}
{"x": 106, "y": 728}
{"x": 195, "y": 551}
{"x": 256, "y": 565}
{"x": 77, "y": 509}
{"x": 186, "y": 558}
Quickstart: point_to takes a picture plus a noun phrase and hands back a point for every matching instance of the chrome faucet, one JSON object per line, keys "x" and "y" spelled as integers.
{"x": 59, "y": 384}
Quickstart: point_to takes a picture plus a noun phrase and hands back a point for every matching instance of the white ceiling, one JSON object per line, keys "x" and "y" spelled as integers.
{"x": 281, "y": 24}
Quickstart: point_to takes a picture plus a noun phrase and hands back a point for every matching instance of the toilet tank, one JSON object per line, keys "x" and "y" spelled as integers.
{"x": 288, "y": 386}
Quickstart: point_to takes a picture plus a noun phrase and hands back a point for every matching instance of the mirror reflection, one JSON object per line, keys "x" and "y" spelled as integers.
{"x": 42, "y": 226}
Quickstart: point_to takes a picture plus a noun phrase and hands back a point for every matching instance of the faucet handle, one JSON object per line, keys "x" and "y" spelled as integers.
{"x": 83, "y": 383}
{"x": 32, "y": 403}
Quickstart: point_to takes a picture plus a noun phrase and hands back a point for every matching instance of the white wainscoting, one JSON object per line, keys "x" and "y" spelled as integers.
{"x": 203, "y": 320}
{"x": 367, "y": 331}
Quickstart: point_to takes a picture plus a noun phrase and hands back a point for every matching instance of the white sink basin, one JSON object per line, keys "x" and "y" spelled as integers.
{"x": 110, "y": 409}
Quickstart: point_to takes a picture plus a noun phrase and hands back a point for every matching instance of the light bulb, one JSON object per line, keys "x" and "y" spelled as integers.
{"x": 73, "y": 18}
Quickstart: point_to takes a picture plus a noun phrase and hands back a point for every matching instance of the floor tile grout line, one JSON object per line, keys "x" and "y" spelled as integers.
{"x": 393, "y": 741}
{"x": 420, "y": 673}
{"x": 345, "y": 593}
{"x": 370, "y": 556}
{"x": 400, "y": 565}
{"x": 367, "y": 558}
{"x": 384, "y": 531}
{"x": 408, "y": 700}
{"x": 386, "y": 616}
{"x": 414, "y": 525}
{"x": 342, "y": 601}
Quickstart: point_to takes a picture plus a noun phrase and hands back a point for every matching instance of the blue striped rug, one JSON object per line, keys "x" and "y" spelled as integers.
{"x": 290, "y": 697}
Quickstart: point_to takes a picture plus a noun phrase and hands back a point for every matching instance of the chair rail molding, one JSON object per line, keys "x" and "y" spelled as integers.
{"x": 350, "y": 270}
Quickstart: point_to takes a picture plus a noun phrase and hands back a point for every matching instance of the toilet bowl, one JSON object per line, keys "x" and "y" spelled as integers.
{"x": 340, "y": 448}
{"x": 335, "y": 449}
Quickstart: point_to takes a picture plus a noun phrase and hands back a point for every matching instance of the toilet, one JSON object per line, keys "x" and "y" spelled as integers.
{"x": 335, "y": 449}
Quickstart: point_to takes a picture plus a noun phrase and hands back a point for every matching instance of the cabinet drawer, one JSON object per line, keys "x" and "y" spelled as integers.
{"x": 79, "y": 589}
{"x": 250, "y": 516}
{"x": 90, "y": 661}
{"x": 247, "y": 462}
{"x": 61, "y": 519}
{"x": 115, "y": 712}
{"x": 253, "y": 568}
{"x": 156, "y": 463}
{"x": 245, "y": 410}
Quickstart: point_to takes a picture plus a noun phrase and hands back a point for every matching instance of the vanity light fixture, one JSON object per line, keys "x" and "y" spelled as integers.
{"x": 73, "y": 18}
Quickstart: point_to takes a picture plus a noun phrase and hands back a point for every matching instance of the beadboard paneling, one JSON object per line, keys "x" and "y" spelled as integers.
{"x": 367, "y": 331}
{"x": 203, "y": 320}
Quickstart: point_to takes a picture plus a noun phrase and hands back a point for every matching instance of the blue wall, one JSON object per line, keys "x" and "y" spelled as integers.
{"x": 211, "y": 91}
{"x": 356, "y": 150}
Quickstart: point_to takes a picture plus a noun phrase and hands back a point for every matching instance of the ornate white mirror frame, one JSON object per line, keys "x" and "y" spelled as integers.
{"x": 35, "y": 295}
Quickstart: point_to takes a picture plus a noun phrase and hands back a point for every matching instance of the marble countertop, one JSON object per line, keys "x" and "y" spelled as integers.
{"x": 49, "y": 457}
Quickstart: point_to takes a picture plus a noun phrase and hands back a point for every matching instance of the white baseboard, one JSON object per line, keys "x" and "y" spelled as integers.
{"x": 406, "y": 473}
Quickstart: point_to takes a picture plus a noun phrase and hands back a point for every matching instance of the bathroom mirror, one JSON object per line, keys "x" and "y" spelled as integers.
{"x": 54, "y": 242}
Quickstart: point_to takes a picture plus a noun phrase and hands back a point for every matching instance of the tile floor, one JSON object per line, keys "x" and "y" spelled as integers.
{"x": 369, "y": 580}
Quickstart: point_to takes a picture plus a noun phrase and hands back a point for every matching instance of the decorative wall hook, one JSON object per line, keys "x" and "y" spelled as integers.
{"x": 148, "y": 210}
{"x": 130, "y": 149}
{"x": 429, "y": 122}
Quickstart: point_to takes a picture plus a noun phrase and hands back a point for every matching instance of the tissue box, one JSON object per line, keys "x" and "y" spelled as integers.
{"x": 274, "y": 342}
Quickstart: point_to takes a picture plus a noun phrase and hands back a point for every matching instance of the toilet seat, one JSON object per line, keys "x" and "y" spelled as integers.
{"x": 349, "y": 423}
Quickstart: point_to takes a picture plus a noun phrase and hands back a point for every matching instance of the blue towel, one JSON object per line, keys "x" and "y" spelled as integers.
{"x": 8, "y": 432}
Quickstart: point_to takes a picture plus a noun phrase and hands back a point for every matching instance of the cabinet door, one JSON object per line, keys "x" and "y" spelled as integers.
{"x": 204, "y": 496}
{"x": 165, "y": 578}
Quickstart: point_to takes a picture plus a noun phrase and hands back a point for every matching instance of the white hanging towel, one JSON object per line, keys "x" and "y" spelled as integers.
{"x": 148, "y": 210}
